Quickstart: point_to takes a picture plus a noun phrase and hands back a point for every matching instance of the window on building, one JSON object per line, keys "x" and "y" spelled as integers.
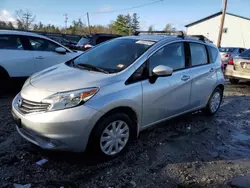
{"x": 224, "y": 30}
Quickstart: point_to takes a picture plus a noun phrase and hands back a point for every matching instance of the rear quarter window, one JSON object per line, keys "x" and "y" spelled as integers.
{"x": 213, "y": 53}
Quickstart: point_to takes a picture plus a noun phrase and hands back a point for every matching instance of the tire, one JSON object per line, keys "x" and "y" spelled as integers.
{"x": 234, "y": 81}
{"x": 210, "y": 109}
{"x": 96, "y": 147}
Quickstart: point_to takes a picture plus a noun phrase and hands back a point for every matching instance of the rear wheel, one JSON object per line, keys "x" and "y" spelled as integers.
{"x": 111, "y": 136}
{"x": 234, "y": 81}
{"x": 214, "y": 102}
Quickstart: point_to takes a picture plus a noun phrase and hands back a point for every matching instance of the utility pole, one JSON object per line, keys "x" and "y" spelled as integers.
{"x": 222, "y": 22}
{"x": 88, "y": 22}
{"x": 66, "y": 20}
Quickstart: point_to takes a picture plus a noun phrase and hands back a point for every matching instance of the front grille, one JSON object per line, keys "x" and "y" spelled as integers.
{"x": 27, "y": 107}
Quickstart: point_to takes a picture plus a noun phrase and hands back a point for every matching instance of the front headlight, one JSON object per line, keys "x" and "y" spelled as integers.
{"x": 69, "y": 99}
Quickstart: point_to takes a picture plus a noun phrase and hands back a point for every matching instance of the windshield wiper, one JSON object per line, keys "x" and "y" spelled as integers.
{"x": 92, "y": 67}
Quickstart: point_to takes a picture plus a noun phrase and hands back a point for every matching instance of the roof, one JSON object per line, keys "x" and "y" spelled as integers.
{"x": 26, "y": 33}
{"x": 30, "y": 34}
{"x": 214, "y": 15}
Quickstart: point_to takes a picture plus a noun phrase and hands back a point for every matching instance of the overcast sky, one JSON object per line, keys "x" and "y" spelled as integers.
{"x": 177, "y": 12}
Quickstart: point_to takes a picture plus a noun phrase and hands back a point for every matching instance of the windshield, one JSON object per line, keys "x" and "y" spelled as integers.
{"x": 83, "y": 41}
{"x": 114, "y": 55}
{"x": 226, "y": 49}
{"x": 245, "y": 53}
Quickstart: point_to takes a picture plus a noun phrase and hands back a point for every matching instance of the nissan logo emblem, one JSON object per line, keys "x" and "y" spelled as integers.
{"x": 19, "y": 102}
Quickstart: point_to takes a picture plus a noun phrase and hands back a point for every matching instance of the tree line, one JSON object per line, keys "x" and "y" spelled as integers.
{"x": 123, "y": 25}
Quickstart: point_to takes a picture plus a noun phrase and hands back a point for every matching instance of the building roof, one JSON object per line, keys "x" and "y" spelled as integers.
{"x": 214, "y": 15}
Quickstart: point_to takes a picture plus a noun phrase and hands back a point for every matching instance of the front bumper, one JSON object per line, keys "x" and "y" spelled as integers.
{"x": 231, "y": 73}
{"x": 67, "y": 129}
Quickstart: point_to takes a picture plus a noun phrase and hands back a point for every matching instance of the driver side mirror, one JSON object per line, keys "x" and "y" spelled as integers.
{"x": 60, "y": 50}
{"x": 162, "y": 71}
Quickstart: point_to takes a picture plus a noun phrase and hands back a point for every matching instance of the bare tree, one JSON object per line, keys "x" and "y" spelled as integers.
{"x": 24, "y": 19}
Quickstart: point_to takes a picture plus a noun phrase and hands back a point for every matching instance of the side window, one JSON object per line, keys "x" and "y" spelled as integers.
{"x": 198, "y": 54}
{"x": 245, "y": 53}
{"x": 172, "y": 55}
{"x": 213, "y": 53}
{"x": 10, "y": 42}
{"x": 39, "y": 44}
{"x": 241, "y": 50}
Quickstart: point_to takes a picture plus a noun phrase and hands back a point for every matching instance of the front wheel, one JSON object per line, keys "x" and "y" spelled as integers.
{"x": 111, "y": 136}
{"x": 234, "y": 81}
{"x": 214, "y": 102}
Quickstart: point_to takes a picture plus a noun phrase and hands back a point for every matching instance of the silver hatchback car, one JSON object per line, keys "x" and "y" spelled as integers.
{"x": 101, "y": 100}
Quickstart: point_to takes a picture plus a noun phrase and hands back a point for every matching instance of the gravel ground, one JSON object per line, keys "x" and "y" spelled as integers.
{"x": 190, "y": 151}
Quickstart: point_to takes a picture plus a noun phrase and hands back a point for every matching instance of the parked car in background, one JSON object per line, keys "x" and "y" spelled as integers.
{"x": 229, "y": 52}
{"x": 24, "y": 53}
{"x": 105, "y": 97}
{"x": 92, "y": 40}
{"x": 238, "y": 68}
{"x": 69, "y": 44}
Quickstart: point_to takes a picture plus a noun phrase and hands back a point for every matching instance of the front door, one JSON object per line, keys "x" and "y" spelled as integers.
{"x": 167, "y": 96}
{"x": 44, "y": 53}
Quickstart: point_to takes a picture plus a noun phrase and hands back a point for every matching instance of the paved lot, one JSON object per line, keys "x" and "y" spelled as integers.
{"x": 191, "y": 151}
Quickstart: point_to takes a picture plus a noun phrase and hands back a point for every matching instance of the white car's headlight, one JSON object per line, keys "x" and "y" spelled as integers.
{"x": 69, "y": 99}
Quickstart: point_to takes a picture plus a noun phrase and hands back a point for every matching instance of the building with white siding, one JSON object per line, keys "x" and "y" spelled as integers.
{"x": 236, "y": 30}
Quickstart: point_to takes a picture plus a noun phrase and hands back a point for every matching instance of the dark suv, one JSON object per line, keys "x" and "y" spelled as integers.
{"x": 94, "y": 39}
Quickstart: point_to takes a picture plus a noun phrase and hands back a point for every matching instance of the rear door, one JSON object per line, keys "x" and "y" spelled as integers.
{"x": 44, "y": 53}
{"x": 203, "y": 73}
{"x": 15, "y": 56}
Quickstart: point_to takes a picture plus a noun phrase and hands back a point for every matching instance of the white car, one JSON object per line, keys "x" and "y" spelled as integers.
{"x": 25, "y": 53}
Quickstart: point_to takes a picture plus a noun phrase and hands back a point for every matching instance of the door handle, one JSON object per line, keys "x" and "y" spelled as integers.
{"x": 211, "y": 70}
{"x": 39, "y": 57}
{"x": 185, "y": 78}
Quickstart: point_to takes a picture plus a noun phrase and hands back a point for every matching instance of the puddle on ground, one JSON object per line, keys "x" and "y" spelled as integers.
{"x": 240, "y": 137}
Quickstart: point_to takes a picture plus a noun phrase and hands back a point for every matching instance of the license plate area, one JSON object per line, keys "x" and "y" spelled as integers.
{"x": 16, "y": 120}
{"x": 245, "y": 65}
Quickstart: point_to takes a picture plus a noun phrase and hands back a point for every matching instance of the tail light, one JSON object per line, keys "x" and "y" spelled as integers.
{"x": 228, "y": 55}
{"x": 231, "y": 61}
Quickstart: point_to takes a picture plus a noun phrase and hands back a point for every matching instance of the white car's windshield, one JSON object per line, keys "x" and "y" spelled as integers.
{"x": 115, "y": 55}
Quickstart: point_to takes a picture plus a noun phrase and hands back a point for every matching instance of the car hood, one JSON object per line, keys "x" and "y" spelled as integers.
{"x": 62, "y": 78}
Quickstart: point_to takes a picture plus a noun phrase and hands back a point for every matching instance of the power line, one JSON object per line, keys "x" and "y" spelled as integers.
{"x": 139, "y": 6}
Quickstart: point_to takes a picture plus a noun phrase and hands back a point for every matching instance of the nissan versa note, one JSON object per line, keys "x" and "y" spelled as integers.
{"x": 102, "y": 99}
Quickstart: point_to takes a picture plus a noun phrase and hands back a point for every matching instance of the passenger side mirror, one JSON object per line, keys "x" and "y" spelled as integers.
{"x": 162, "y": 70}
{"x": 60, "y": 50}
